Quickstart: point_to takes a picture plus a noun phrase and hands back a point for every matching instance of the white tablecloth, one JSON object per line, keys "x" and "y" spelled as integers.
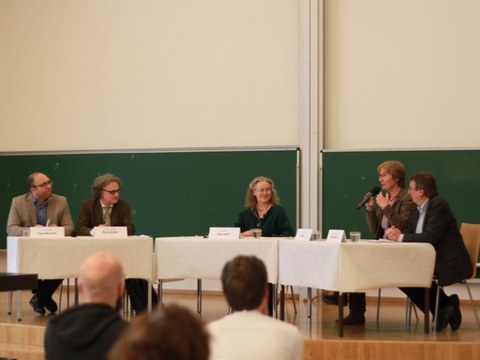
{"x": 351, "y": 267}
{"x": 59, "y": 258}
{"x": 201, "y": 258}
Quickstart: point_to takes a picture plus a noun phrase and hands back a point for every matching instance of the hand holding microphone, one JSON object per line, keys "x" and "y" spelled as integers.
{"x": 374, "y": 191}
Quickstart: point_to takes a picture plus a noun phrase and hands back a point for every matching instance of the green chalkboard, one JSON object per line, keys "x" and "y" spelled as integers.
{"x": 347, "y": 176}
{"x": 171, "y": 193}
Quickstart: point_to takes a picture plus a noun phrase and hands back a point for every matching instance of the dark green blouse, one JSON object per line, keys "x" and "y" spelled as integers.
{"x": 274, "y": 223}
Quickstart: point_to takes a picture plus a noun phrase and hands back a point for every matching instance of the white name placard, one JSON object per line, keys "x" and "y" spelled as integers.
{"x": 304, "y": 234}
{"x": 47, "y": 232}
{"x": 224, "y": 233}
{"x": 110, "y": 231}
{"x": 336, "y": 236}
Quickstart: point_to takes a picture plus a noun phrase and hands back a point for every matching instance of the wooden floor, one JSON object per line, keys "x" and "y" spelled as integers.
{"x": 389, "y": 340}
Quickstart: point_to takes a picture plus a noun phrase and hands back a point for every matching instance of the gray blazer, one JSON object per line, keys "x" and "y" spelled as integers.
{"x": 23, "y": 215}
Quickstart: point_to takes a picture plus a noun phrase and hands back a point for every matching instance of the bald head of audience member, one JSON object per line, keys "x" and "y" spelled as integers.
{"x": 170, "y": 333}
{"x": 101, "y": 279}
{"x": 244, "y": 281}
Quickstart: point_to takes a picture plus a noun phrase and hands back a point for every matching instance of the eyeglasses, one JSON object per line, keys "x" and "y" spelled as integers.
{"x": 263, "y": 190}
{"x": 112, "y": 192}
{"x": 49, "y": 182}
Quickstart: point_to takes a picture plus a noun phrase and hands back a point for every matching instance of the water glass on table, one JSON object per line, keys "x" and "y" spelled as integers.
{"x": 355, "y": 236}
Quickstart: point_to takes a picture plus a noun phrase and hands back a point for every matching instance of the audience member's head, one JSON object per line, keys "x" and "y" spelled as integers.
{"x": 101, "y": 279}
{"x": 170, "y": 333}
{"x": 244, "y": 281}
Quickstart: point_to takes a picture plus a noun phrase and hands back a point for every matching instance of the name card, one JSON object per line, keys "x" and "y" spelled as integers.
{"x": 224, "y": 233}
{"x": 336, "y": 236}
{"x": 304, "y": 234}
{"x": 110, "y": 231}
{"x": 47, "y": 232}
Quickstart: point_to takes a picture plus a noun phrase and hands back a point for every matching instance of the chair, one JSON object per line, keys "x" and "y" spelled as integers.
{"x": 75, "y": 300}
{"x": 408, "y": 310}
{"x": 288, "y": 287}
{"x": 471, "y": 238}
{"x": 293, "y": 298}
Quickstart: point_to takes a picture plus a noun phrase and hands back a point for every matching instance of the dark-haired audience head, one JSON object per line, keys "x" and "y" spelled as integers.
{"x": 169, "y": 333}
{"x": 426, "y": 182}
{"x": 244, "y": 281}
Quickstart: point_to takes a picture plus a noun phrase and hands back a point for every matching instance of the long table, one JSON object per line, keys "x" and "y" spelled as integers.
{"x": 60, "y": 258}
{"x": 355, "y": 267}
{"x": 346, "y": 267}
{"x": 17, "y": 282}
{"x": 201, "y": 258}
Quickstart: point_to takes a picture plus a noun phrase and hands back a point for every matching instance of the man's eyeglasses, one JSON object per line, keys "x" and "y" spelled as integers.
{"x": 49, "y": 182}
{"x": 112, "y": 192}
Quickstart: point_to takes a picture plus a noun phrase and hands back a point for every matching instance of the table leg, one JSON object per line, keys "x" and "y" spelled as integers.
{"x": 19, "y": 305}
{"x": 199, "y": 296}
{"x": 282, "y": 302}
{"x": 9, "y": 302}
{"x": 426, "y": 310}
{"x": 274, "y": 301}
{"x": 68, "y": 293}
{"x": 309, "y": 303}
{"x": 149, "y": 294}
{"x": 160, "y": 292}
{"x": 76, "y": 291}
{"x": 340, "y": 314}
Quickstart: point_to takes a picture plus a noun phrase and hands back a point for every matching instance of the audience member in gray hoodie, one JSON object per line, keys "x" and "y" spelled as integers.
{"x": 89, "y": 330}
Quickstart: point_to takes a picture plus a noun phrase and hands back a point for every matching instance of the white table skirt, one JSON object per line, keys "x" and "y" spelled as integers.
{"x": 58, "y": 258}
{"x": 352, "y": 267}
{"x": 201, "y": 258}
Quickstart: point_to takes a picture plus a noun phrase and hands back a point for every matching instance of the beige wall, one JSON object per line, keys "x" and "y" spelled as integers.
{"x": 119, "y": 74}
{"x": 402, "y": 74}
{"x": 133, "y": 74}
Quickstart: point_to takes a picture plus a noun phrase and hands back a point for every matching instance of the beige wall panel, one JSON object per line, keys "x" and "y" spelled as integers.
{"x": 125, "y": 74}
{"x": 402, "y": 74}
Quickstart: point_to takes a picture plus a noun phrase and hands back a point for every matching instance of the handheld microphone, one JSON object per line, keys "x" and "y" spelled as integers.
{"x": 375, "y": 190}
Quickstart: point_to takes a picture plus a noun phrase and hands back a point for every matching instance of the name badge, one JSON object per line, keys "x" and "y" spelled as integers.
{"x": 47, "y": 232}
{"x": 224, "y": 233}
{"x": 304, "y": 234}
{"x": 336, "y": 236}
{"x": 110, "y": 231}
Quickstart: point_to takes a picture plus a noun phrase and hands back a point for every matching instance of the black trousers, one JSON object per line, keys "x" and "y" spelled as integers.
{"x": 137, "y": 290}
{"x": 46, "y": 288}
{"x": 271, "y": 294}
{"x": 357, "y": 303}
{"x": 417, "y": 295}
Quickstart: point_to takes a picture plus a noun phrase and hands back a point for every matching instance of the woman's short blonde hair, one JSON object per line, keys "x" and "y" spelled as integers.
{"x": 394, "y": 168}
